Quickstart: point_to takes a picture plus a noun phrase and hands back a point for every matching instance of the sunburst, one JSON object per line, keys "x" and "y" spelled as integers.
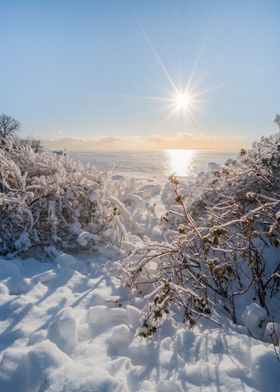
{"x": 181, "y": 101}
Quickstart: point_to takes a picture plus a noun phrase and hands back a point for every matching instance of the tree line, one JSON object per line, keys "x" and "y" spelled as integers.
{"x": 8, "y": 135}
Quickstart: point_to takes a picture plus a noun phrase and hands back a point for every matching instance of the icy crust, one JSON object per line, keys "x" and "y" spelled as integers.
{"x": 74, "y": 328}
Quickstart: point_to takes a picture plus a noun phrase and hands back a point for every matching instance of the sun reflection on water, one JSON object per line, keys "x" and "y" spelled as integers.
{"x": 179, "y": 162}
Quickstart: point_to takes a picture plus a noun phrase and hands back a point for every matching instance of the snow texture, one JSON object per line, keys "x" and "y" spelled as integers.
{"x": 70, "y": 324}
{"x": 57, "y": 336}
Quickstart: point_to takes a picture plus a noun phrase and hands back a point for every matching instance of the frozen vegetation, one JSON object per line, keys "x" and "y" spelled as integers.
{"x": 112, "y": 284}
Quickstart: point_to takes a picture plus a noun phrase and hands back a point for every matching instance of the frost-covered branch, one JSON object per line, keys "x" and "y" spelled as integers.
{"x": 223, "y": 243}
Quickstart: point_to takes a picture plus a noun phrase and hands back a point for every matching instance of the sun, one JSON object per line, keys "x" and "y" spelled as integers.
{"x": 182, "y": 101}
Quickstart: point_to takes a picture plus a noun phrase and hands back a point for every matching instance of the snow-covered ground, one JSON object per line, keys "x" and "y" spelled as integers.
{"x": 67, "y": 325}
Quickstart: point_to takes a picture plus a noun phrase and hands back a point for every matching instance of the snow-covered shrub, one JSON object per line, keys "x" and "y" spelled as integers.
{"x": 222, "y": 251}
{"x": 46, "y": 200}
{"x": 276, "y": 120}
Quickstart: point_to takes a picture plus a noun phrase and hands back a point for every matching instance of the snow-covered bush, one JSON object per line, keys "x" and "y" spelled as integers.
{"x": 47, "y": 200}
{"x": 222, "y": 251}
{"x": 276, "y": 120}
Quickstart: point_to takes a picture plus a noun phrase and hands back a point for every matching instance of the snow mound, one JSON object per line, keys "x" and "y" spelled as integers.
{"x": 255, "y": 319}
{"x": 63, "y": 331}
{"x": 56, "y": 338}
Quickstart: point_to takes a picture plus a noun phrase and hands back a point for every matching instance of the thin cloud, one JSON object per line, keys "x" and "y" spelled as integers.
{"x": 181, "y": 140}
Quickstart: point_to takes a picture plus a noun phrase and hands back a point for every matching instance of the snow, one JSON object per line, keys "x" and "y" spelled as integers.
{"x": 63, "y": 331}
{"x": 68, "y": 325}
{"x": 73, "y": 322}
{"x": 255, "y": 319}
{"x": 213, "y": 166}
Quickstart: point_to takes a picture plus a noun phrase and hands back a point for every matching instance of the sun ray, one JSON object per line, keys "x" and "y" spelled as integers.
{"x": 196, "y": 63}
{"x": 195, "y": 86}
{"x": 193, "y": 117}
{"x": 225, "y": 84}
{"x": 200, "y": 53}
{"x": 182, "y": 102}
{"x": 169, "y": 115}
{"x": 151, "y": 45}
{"x": 149, "y": 97}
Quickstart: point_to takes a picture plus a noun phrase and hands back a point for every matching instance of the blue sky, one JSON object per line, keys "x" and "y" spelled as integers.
{"x": 80, "y": 68}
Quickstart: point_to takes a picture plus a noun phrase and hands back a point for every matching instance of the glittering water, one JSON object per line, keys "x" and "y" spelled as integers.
{"x": 151, "y": 164}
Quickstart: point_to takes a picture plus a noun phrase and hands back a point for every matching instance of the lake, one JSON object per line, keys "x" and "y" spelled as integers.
{"x": 153, "y": 164}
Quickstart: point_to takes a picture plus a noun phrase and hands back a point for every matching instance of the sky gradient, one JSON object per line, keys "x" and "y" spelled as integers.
{"x": 81, "y": 69}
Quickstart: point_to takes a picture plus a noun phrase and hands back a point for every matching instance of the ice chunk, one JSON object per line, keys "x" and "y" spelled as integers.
{"x": 212, "y": 166}
{"x": 65, "y": 260}
{"x": 72, "y": 378}
{"x": 254, "y": 318}
{"x": 101, "y": 314}
{"x": 46, "y": 355}
{"x": 38, "y": 337}
{"x": 133, "y": 315}
{"x": 24, "y": 371}
{"x": 121, "y": 335}
{"x": 272, "y": 333}
{"x": 63, "y": 331}
{"x": 3, "y": 290}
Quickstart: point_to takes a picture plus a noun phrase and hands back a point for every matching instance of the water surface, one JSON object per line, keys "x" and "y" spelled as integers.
{"x": 151, "y": 164}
